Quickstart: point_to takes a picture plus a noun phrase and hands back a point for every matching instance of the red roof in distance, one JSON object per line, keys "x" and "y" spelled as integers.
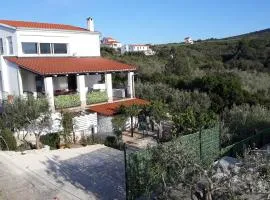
{"x": 69, "y": 65}
{"x": 38, "y": 25}
{"x": 110, "y": 109}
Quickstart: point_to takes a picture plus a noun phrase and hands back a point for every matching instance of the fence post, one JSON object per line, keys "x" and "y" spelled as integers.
{"x": 126, "y": 173}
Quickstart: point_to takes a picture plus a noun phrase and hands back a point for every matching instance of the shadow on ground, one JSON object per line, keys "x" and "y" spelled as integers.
{"x": 99, "y": 173}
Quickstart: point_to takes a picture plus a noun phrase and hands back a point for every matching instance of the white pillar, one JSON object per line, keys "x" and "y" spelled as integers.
{"x": 130, "y": 89}
{"x": 81, "y": 89}
{"x": 48, "y": 84}
{"x": 20, "y": 83}
{"x": 108, "y": 83}
{"x": 4, "y": 75}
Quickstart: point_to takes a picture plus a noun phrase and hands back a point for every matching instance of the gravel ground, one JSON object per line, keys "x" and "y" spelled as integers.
{"x": 92, "y": 172}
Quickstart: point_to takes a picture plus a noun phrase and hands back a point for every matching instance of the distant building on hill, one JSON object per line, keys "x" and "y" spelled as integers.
{"x": 110, "y": 42}
{"x": 138, "y": 48}
{"x": 188, "y": 40}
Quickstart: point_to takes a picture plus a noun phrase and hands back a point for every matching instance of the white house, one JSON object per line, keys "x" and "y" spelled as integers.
{"x": 188, "y": 40}
{"x": 110, "y": 42}
{"x": 137, "y": 48}
{"x": 57, "y": 60}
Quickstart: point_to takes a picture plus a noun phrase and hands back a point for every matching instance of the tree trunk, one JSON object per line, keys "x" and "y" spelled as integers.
{"x": 37, "y": 141}
{"x": 131, "y": 126}
{"x": 74, "y": 139}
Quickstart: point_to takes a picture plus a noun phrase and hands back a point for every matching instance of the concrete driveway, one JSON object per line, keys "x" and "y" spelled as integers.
{"x": 92, "y": 172}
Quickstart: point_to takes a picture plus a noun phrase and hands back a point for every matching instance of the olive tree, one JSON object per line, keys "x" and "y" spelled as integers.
{"x": 27, "y": 115}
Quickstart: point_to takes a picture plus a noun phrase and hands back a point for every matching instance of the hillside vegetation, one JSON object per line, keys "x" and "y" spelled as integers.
{"x": 207, "y": 78}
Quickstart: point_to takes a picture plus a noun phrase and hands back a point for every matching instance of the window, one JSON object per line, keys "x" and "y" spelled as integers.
{"x": 45, "y": 48}
{"x": 10, "y": 45}
{"x": 1, "y": 47}
{"x": 29, "y": 47}
{"x": 60, "y": 48}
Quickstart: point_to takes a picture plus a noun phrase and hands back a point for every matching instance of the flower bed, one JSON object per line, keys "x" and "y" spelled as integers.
{"x": 67, "y": 101}
{"x": 96, "y": 97}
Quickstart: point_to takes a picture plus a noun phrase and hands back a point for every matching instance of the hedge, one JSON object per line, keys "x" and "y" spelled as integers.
{"x": 67, "y": 101}
{"x": 96, "y": 97}
{"x": 51, "y": 139}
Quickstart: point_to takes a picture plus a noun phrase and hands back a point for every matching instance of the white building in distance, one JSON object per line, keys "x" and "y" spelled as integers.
{"x": 110, "y": 42}
{"x": 188, "y": 40}
{"x": 137, "y": 48}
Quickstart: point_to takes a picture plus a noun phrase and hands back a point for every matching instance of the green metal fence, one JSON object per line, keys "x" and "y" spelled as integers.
{"x": 142, "y": 167}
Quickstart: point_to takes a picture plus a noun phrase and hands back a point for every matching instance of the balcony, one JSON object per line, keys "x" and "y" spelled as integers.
{"x": 77, "y": 90}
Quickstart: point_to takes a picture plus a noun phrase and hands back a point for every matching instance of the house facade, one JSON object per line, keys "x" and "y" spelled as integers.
{"x": 137, "y": 48}
{"x": 61, "y": 62}
{"x": 188, "y": 40}
{"x": 110, "y": 42}
{"x": 54, "y": 60}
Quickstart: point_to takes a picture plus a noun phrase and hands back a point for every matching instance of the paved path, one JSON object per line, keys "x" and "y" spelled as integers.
{"x": 93, "y": 172}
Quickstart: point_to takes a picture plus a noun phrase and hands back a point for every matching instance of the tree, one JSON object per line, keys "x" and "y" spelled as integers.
{"x": 119, "y": 123}
{"x": 67, "y": 125}
{"x": 158, "y": 113}
{"x": 26, "y": 114}
{"x": 39, "y": 126}
{"x": 131, "y": 111}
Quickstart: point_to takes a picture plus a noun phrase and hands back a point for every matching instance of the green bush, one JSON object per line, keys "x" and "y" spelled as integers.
{"x": 96, "y": 97}
{"x": 92, "y": 139}
{"x": 111, "y": 141}
{"x": 7, "y": 140}
{"x": 67, "y": 101}
{"x": 244, "y": 121}
{"x": 51, "y": 139}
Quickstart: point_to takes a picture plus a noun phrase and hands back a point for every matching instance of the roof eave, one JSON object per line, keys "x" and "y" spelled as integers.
{"x": 59, "y": 30}
{"x": 7, "y": 26}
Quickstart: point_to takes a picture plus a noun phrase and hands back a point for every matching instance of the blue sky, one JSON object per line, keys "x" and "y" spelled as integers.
{"x": 147, "y": 21}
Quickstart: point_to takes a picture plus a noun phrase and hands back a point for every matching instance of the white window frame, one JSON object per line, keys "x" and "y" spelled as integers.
{"x": 10, "y": 45}
{"x": 51, "y": 49}
{"x": 1, "y": 46}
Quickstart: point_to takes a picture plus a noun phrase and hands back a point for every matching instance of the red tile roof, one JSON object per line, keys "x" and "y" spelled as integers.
{"x": 24, "y": 24}
{"x": 69, "y": 65}
{"x": 109, "y": 109}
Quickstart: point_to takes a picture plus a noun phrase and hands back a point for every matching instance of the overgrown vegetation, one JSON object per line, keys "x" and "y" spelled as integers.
{"x": 7, "y": 140}
{"x": 67, "y": 101}
{"x": 199, "y": 83}
{"x": 96, "y": 97}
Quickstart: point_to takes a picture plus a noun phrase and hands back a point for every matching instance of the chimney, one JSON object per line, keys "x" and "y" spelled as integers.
{"x": 90, "y": 24}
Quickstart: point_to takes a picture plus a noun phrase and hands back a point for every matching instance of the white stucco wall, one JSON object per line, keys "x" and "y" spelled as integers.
{"x": 13, "y": 79}
{"x": 105, "y": 125}
{"x": 79, "y": 43}
{"x": 4, "y": 33}
{"x": 28, "y": 81}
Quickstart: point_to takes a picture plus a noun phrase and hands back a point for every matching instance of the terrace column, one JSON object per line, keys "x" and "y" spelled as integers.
{"x": 20, "y": 82}
{"x": 130, "y": 88}
{"x": 48, "y": 85}
{"x": 108, "y": 84}
{"x": 81, "y": 89}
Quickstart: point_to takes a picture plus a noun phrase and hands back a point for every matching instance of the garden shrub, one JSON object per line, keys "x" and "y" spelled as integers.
{"x": 92, "y": 139}
{"x": 51, "y": 139}
{"x": 9, "y": 138}
{"x": 244, "y": 121}
{"x": 67, "y": 101}
{"x": 111, "y": 141}
{"x": 96, "y": 97}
